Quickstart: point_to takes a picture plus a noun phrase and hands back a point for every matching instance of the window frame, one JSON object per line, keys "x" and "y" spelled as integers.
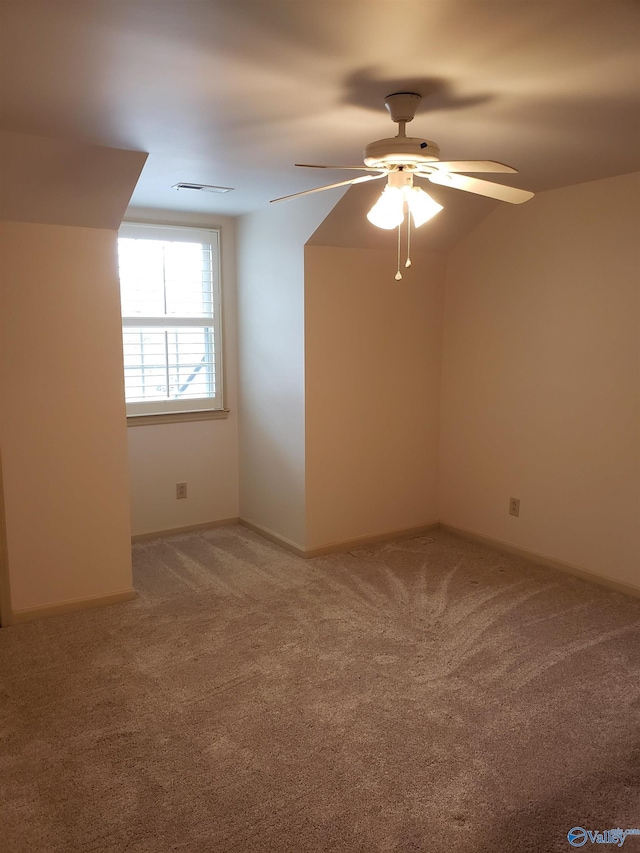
{"x": 197, "y": 408}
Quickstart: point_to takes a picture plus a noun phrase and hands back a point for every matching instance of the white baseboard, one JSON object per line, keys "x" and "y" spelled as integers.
{"x": 544, "y": 560}
{"x": 341, "y": 546}
{"x": 375, "y": 539}
{"x": 31, "y": 613}
{"x": 190, "y": 528}
{"x": 288, "y": 544}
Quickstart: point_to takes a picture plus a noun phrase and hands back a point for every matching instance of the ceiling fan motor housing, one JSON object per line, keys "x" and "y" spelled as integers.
{"x": 402, "y": 106}
{"x": 400, "y": 151}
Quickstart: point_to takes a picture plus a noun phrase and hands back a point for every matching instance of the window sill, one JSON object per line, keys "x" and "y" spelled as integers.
{"x": 177, "y": 417}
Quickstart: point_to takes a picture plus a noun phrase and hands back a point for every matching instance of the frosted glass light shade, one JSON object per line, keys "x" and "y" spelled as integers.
{"x": 388, "y": 211}
{"x": 421, "y": 205}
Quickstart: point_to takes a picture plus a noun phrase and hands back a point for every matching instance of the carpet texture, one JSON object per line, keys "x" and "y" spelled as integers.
{"x": 425, "y": 694}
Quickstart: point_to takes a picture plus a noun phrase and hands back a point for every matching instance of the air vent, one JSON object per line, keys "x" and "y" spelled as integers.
{"x": 203, "y": 188}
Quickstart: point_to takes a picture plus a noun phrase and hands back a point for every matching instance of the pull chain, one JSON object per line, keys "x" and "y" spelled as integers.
{"x": 399, "y": 274}
{"x": 407, "y": 263}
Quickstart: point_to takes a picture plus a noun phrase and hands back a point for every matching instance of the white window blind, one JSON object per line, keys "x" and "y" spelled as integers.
{"x": 171, "y": 325}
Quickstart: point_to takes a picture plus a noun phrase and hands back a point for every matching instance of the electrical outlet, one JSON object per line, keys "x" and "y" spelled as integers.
{"x": 514, "y": 506}
{"x": 181, "y": 490}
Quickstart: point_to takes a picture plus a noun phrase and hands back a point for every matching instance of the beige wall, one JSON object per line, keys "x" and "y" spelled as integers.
{"x": 340, "y": 388}
{"x": 200, "y": 454}
{"x": 372, "y": 350}
{"x": 203, "y": 454}
{"x": 62, "y": 420}
{"x": 271, "y": 362}
{"x": 541, "y": 383}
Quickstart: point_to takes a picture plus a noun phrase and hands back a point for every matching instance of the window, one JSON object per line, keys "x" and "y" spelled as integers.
{"x": 171, "y": 329}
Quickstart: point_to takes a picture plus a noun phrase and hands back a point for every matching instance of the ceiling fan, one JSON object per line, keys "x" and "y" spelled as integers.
{"x": 420, "y": 158}
{"x": 403, "y": 158}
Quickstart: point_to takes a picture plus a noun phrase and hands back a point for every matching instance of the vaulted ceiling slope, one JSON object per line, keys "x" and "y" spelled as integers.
{"x": 234, "y": 93}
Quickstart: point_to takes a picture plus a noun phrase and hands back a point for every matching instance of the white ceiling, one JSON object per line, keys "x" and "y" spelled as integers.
{"x": 235, "y": 92}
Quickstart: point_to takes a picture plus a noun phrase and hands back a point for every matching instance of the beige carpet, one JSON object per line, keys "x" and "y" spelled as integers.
{"x": 418, "y": 695}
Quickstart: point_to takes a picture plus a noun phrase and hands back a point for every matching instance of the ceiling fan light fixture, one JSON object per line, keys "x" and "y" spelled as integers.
{"x": 422, "y": 206}
{"x": 388, "y": 211}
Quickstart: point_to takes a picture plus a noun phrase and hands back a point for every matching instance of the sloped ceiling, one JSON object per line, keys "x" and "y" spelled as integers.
{"x": 64, "y": 182}
{"x": 234, "y": 93}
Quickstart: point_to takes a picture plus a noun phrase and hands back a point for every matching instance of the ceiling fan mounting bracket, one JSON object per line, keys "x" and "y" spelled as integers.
{"x": 402, "y": 106}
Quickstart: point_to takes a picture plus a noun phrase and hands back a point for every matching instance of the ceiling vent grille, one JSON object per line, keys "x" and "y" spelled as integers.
{"x": 203, "y": 188}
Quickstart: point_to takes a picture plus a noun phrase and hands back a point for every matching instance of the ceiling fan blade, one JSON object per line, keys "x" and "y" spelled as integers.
{"x": 359, "y": 180}
{"x": 475, "y": 185}
{"x": 359, "y": 168}
{"x": 473, "y": 166}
